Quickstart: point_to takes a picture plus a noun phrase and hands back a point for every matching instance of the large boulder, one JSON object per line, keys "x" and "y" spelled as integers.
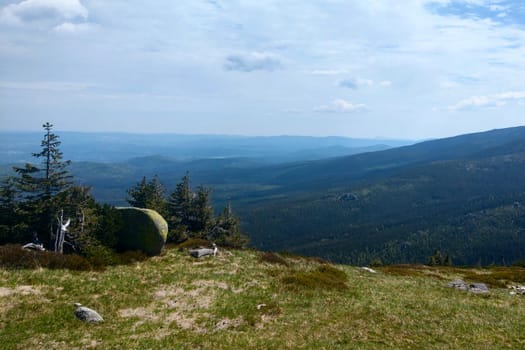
{"x": 144, "y": 230}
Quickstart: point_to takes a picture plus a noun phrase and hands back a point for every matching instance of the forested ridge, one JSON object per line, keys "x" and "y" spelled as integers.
{"x": 463, "y": 196}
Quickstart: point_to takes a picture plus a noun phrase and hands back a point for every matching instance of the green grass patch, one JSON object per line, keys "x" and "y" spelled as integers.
{"x": 236, "y": 301}
{"x": 325, "y": 277}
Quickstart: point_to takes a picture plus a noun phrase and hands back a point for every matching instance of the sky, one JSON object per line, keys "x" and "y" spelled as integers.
{"x": 410, "y": 69}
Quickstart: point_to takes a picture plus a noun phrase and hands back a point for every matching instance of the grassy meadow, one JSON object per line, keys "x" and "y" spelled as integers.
{"x": 252, "y": 300}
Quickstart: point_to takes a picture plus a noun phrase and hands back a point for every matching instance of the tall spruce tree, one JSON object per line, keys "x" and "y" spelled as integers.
{"x": 56, "y": 176}
{"x": 39, "y": 185}
{"x": 179, "y": 210}
{"x": 201, "y": 218}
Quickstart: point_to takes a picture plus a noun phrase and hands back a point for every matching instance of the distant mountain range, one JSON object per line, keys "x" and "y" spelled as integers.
{"x": 118, "y": 147}
{"x": 463, "y": 195}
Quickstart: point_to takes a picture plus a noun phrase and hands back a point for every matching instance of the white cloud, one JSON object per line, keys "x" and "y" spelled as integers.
{"x": 248, "y": 62}
{"x": 495, "y": 100}
{"x": 340, "y": 106}
{"x": 43, "y": 10}
{"x": 198, "y": 50}
{"x": 73, "y": 28}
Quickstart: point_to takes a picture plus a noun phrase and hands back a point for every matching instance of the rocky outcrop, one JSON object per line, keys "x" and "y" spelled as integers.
{"x": 144, "y": 230}
{"x": 470, "y": 287}
{"x": 517, "y": 290}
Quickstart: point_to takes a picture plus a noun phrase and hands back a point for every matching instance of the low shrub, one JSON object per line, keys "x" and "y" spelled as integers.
{"x": 498, "y": 277}
{"x": 314, "y": 259}
{"x": 12, "y": 256}
{"x": 272, "y": 258}
{"x": 519, "y": 263}
{"x": 193, "y": 243}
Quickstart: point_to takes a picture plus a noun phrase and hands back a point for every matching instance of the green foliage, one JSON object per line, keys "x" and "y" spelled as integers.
{"x": 192, "y": 243}
{"x": 189, "y": 211}
{"x": 11, "y": 227}
{"x": 201, "y": 213}
{"x": 37, "y": 188}
{"x": 519, "y": 263}
{"x": 226, "y": 231}
{"x": 109, "y": 224}
{"x": 179, "y": 205}
{"x": 33, "y": 200}
{"x": 376, "y": 262}
{"x": 190, "y": 215}
{"x": 149, "y": 195}
{"x": 56, "y": 177}
{"x": 439, "y": 260}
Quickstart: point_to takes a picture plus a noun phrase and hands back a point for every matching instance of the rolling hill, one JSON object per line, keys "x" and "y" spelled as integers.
{"x": 460, "y": 195}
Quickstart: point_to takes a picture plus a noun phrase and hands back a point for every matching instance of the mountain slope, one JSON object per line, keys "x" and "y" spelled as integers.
{"x": 343, "y": 169}
{"x": 402, "y": 204}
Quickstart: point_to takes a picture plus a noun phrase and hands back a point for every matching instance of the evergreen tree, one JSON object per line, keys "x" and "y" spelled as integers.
{"x": 56, "y": 177}
{"x": 157, "y": 200}
{"x": 201, "y": 218}
{"x": 10, "y": 228}
{"x": 138, "y": 194}
{"x": 179, "y": 210}
{"x": 38, "y": 187}
{"x": 149, "y": 195}
{"x": 226, "y": 231}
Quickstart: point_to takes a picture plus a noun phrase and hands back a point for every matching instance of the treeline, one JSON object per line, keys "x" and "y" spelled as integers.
{"x": 189, "y": 213}
{"x": 42, "y": 204}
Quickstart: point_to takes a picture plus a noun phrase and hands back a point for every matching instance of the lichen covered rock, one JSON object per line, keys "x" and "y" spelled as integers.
{"x": 144, "y": 230}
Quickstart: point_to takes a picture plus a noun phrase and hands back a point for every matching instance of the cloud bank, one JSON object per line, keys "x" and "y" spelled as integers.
{"x": 341, "y": 106}
{"x": 43, "y": 10}
{"x": 495, "y": 100}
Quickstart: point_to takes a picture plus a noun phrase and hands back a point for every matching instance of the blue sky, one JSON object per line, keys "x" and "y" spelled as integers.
{"x": 379, "y": 68}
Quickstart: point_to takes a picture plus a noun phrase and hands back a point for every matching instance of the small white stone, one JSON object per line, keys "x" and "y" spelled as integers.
{"x": 86, "y": 314}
